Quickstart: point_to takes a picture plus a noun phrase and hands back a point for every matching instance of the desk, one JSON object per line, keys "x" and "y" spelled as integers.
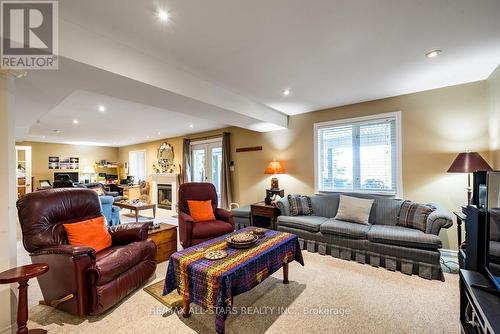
{"x": 261, "y": 209}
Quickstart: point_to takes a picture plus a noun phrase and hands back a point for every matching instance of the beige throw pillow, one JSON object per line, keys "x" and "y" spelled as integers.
{"x": 355, "y": 210}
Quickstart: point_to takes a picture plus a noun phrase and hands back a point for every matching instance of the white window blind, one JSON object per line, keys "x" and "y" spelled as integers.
{"x": 358, "y": 155}
{"x": 137, "y": 165}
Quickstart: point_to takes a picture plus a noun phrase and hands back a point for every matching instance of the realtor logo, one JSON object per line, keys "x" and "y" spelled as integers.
{"x": 29, "y": 32}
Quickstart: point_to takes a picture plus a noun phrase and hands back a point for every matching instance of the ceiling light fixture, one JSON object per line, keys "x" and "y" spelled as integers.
{"x": 102, "y": 108}
{"x": 163, "y": 15}
{"x": 286, "y": 92}
{"x": 75, "y": 121}
{"x": 191, "y": 126}
{"x": 56, "y": 131}
{"x": 159, "y": 133}
{"x": 147, "y": 137}
{"x": 433, "y": 53}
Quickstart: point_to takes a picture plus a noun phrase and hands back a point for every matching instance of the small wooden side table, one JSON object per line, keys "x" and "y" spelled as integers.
{"x": 22, "y": 275}
{"x": 262, "y": 209}
{"x": 165, "y": 239}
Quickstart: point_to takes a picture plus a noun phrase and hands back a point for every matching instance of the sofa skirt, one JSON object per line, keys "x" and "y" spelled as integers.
{"x": 410, "y": 261}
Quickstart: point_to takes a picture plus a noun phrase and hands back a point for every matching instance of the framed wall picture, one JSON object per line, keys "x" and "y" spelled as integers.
{"x": 64, "y": 163}
{"x": 53, "y": 162}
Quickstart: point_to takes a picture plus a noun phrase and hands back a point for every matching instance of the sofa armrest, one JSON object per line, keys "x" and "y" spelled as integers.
{"x": 224, "y": 215}
{"x": 127, "y": 233}
{"x": 284, "y": 206}
{"x": 438, "y": 219}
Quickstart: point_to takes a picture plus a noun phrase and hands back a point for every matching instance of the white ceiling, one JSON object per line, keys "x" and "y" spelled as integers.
{"x": 328, "y": 52}
{"x": 238, "y": 56}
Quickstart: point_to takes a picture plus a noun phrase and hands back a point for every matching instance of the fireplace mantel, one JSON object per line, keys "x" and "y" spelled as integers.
{"x": 163, "y": 178}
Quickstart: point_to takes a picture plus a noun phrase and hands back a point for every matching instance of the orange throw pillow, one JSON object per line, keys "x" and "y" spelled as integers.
{"x": 201, "y": 211}
{"x": 92, "y": 233}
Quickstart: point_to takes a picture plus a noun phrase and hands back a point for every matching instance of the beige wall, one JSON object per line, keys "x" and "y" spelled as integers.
{"x": 493, "y": 84}
{"x": 7, "y": 205}
{"x": 88, "y": 156}
{"x": 436, "y": 125}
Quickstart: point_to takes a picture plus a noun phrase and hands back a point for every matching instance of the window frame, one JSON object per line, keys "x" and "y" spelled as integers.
{"x": 368, "y": 119}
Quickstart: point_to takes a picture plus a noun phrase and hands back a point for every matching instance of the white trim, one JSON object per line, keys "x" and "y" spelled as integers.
{"x": 399, "y": 149}
{"x": 205, "y": 141}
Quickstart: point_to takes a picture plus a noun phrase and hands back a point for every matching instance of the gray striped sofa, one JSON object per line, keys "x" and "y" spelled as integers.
{"x": 381, "y": 243}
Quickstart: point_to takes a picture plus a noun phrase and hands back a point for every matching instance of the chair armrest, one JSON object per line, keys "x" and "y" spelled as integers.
{"x": 185, "y": 228}
{"x": 66, "y": 250}
{"x": 127, "y": 233}
{"x": 438, "y": 219}
{"x": 225, "y": 215}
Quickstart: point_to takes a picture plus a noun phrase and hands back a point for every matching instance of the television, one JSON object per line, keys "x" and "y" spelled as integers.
{"x": 492, "y": 249}
{"x": 73, "y": 176}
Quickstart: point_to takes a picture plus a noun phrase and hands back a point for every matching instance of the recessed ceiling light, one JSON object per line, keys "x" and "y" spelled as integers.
{"x": 102, "y": 108}
{"x": 433, "y": 53}
{"x": 286, "y": 92}
{"x": 44, "y": 137}
{"x": 147, "y": 137}
{"x": 56, "y": 131}
{"x": 191, "y": 126}
{"x": 163, "y": 15}
{"x": 75, "y": 121}
{"x": 159, "y": 133}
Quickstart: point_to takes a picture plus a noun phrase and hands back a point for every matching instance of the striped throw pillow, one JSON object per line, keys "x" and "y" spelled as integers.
{"x": 300, "y": 205}
{"x": 414, "y": 215}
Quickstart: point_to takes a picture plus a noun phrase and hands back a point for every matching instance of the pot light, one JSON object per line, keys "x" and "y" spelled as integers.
{"x": 433, "y": 53}
{"x": 286, "y": 92}
{"x": 159, "y": 133}
{"x": 147, "y": 137}
{"x": 191, "y": 126}
{"x": 75, "y": 121}
{"x": 56, "y": 131}
{"x": 163, "y": 15}
{"x": 101, "y": 108}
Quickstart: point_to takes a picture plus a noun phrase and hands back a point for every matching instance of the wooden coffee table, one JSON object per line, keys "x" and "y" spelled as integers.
{"x": 212, "y": 284}
{"x": 165, "y": 239}
{"x": 136, "y": 208}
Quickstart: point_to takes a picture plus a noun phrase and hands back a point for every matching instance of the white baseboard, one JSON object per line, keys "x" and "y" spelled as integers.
{"x": 8, "y": 329}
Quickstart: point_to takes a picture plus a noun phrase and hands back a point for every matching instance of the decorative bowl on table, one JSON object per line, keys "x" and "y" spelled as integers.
{"x": 242, "y": 240}
{"x": 215, "y": 255}
{"x": 259, "y": 231}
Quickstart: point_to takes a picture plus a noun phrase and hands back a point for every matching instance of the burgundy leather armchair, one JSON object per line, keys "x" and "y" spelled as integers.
{"x": 192, "y": 233}
{"x": 81, "y": 281}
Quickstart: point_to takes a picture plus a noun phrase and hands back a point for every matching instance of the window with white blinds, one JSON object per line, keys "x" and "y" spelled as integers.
{"x": 137, "y": 165}
{"x": 359, "y": 155}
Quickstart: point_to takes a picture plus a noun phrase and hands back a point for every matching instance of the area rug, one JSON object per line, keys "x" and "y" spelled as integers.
{"x": 172, "y": 300}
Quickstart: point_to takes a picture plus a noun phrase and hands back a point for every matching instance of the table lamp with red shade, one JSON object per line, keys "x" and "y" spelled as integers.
{"x": 274, "y": 168}
{"x": 469, "y": 162}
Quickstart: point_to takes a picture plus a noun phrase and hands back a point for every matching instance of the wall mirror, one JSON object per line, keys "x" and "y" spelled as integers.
{"x": 165, "y": 156}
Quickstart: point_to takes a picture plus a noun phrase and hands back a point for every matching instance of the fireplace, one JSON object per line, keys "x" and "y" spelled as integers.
{"x": 165, "y": 196}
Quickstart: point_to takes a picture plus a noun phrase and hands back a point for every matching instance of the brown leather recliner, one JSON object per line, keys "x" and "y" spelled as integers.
{"x": 81, "y": 281}
{"x": 192, "y": 233}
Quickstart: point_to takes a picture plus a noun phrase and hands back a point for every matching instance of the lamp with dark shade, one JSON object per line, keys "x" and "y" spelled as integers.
{"x": 469, "y": 162}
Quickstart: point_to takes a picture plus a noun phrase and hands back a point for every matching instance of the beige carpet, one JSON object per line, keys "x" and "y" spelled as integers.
{"x": 327, "y": 295}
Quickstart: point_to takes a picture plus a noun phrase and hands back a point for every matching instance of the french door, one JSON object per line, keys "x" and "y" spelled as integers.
{"x": 206, "y": 163}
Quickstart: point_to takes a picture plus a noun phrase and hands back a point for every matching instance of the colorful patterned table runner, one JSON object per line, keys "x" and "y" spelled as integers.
{"x": 213, "y": 283}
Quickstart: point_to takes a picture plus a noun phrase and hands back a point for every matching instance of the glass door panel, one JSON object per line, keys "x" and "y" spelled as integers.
{"x": 206, "y": 161}
{"x": 199, "y": 164}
